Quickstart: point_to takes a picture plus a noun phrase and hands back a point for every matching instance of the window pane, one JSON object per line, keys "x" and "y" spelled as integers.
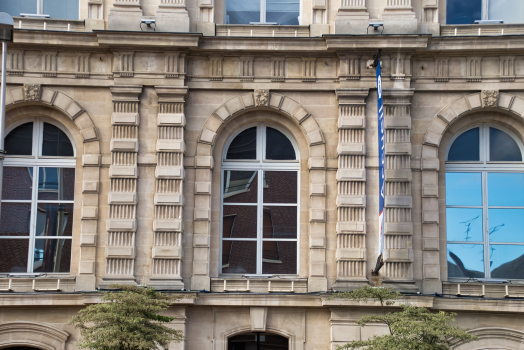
{"x": 18, "y": 183}
{"x": 61, "y": 9}
{"x": 278, "y": 146}
{"x": 466, "y": 260}
{"x": 240, "y": 186}
{"x": 502, "y": 147}
{"x": 242, "y": 11}
{"x": 505, "y": 189}
{"x": 280, "y": 186}
{"x": 52, "y": 255}
{"x": 464, "y": 224}
{"x": 510, "y": 11}
{"x": 13, "y": 255}
{"x": 244, "y": 146}
{"x": 284, "y": 12}
{"x": 280, "y": 222}
{"x": 15, "y": 218}
{"x": 279, "y": 258}
{"x": 466, "y": 147}
{"x": 463, "y": 189}
{"x": 239, "y": 257}
{"x": 16, "y": 7}
{"x": 56, "y": 142}
{"x": 507, "y": 261}
{"x": 239, "y": 221}
{"x": 56, "y": 183}
{"x": 54, "y": 219}
{"x": 463, "y": 11}
{"x": 506, "y": 225}
{"x": 20, "y": 140}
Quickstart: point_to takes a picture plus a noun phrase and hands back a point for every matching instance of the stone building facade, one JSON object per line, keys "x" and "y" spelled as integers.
{"x": 163, "y": 113}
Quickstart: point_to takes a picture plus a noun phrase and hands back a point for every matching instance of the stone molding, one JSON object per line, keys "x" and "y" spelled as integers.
{"x": 494, "y": 335}
{"x": 204, "y": 178}
{"x": 33, "y": 334}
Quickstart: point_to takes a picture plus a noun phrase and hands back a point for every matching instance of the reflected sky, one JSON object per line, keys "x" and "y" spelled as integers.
{"x": 463, "y": 189}
{"x": 465, "y": 260}
{"x": 464, "y": 224}
{"x": 506, "y": 225}
{"x": 507, "y": 261}
{"x": 505, "y": 189}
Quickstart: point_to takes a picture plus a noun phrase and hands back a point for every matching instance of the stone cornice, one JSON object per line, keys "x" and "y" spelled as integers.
{"x": 372, "y": 42}
{"x": 479, "y": 44}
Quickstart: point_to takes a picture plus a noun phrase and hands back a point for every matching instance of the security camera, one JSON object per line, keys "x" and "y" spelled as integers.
{"x": 148, "y": 22}
{"x": 376, "y": 25}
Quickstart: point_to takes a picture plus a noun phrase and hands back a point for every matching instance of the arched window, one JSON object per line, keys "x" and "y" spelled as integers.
{"x": 260, "y": 217}
{"x": 485, "y": 204}
{"x": 262, "y": 341}
{"x": 36, "y": 221}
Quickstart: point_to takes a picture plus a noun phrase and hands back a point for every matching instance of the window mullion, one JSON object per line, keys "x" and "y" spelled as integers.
{"x": 485, "y": 10}
{"x": 263, "y": 11}
{"x": 485, "y": 224}
{"x": 32, "y": 220}
{"x": 260, "y": 216}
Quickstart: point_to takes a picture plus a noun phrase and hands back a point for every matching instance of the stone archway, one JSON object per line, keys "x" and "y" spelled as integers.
{"x": 493, "y": 338}
{"x": 32, "y": 99}
{"x": 204, "y": 163}
{"x": 31, "y": 334}
{"x": 481, "y": 101}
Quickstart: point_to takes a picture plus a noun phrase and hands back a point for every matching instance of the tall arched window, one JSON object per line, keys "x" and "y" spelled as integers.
{"x": 485, "y": 204}
{"x": 260, "y": 218}
{"x": 36, "y": 221}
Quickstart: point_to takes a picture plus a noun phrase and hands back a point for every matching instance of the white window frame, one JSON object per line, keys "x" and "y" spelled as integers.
{"x": 484, "y": 166}
{"x": 36, "y": 161}
{"x": 263, "y": 14}
{"x": 260, "y": 165}
{"x": 40, "y": 8}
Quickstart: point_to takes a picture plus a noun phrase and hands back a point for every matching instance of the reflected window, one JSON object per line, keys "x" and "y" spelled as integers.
{"x": 469, "y": 11}
{"x": 59, "y": 9}
{"x": 485, "y": 205}
{"x": 262, "y": 341}
{"x": 262, "y": 11}
{"x": 260, "y": 203}
{"x": 36, "y": 220}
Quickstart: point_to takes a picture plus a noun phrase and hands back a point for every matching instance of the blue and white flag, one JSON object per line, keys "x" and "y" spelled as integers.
{"x": 381, "y": 163}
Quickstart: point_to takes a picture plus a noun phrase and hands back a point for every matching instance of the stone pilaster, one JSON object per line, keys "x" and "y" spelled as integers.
{"x": 398, "y": 233}
{"x": 123, "y": 173}
{"x": 206, "y": 17}
{"x": 169, "y": 199}
{"x": 125, "y": 15}
{"x": 351, "y": 196}
{"x": 15, "y": 62}
{"x": 319, "y": 24}
{"x": 399, "y": 18}
{"x": 352, "y": 17}
{"x": 172, "y": 16}
{"x": 430, "y": 19}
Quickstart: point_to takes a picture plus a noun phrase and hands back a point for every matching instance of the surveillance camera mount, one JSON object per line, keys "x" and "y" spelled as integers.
{"x": 148, "y": 23}
{"x": 375, "y": 26}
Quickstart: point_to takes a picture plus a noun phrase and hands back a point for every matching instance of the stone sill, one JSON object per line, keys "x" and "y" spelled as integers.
{"x": 38, "y": 284}
{"x": 421, "y": 301}
{"x": 483, "y": 290}
{"x": 260, "y": 30}
{"x": 63, "y": 25}
{"x": 481, "y": 29}
{"x": 259, "y": 285}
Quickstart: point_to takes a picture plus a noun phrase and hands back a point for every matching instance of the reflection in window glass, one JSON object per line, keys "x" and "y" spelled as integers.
{"x": 54, "y": 219}
{"x": 280, "y": 222}
{"x": 52, "y": 255}
{"x": 506, "y": 225}
{"x": 15, "y": 218}
{"x": 240, "y": 186}
{"x": 509, "y": 11}
{"x": 20, "y": 140}
{"x": 466, "y": 260}
{"x": 280, "y": 186}
{"x": 244, "y": 145}
{"x": 464, "y": 224}
{"x": 502, "y": 147}
{"x": 279, "y": 257}
{"x": 56, "y": 143}
{"x": 463, "y": 188}
{"x": 13, "y": 255}
{"x": 283, "y": 12}
{"x": 61, "y": 9}
{"x": 506, "y": 261}
{"x": 239, "y": 257}
{"x": 505, "y": 189}
{"x": 18, "y": 183}
{"x": 466, "y": 147}
{"x": 242, "y": 11}
{"x": 463, "y": 11}
{"x": 239, "y": 221}
{"x": 16, "y": 7}
{"x": 278, "y": 146}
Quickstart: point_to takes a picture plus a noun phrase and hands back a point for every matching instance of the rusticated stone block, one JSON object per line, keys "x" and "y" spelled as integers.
{"x": 171, "y": 225}
{"x": 171, "y": 119}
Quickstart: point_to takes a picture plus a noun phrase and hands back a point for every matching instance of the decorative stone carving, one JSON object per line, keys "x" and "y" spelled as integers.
{"x": 490, "y": 98}
{"x": 261, "y": 97}
{"x": 32, "y": 92}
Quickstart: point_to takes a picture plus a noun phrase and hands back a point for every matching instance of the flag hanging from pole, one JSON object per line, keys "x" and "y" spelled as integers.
{"x": 381, "y": 165}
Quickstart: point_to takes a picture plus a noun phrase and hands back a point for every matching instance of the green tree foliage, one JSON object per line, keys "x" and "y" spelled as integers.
{"x": 413, "y": 328}
{"x": 127, "y": 319}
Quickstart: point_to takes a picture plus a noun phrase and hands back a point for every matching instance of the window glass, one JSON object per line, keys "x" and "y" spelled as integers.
{"x": 280, "y": 187}
{"x": 507, "y": 261}
{"x": 242, "y": 11}
{"x": 16, "y": 7}
{"x": 239, "y": 257}
{"x": 18, "y": 183}
{"x": 279, "y": 257}
{"x": 61, "y": 9}
{"x": 15, "y": 219}
{"x": 244, "y": 145}
{"x": 240, "y": 186}
{"x": 240, "y": 221}
{"x": 56, "y": 143}
{"x": 54, "y": 219}
{"x": 466, "y": 147}
{"x": 463, "y": 11}
{"x": 464, "y": 224}
{"x": 278, "y": 146}
{"x": 506, "y": 225}
{"x": 14, "y": 255}
{"x": 510, "y": 11}
{"x": 283, "y": 12}
{"x": 20, "y": 140}
{"x": 466, "y": 260}
{"x": 280, "y": 222}
{"x": 52, "y": 255}
{"x": 505, "y": 189}
{"x": 502, "y": 147}
{"x": 56, "y": 183}
{"x": 463, "y": 189}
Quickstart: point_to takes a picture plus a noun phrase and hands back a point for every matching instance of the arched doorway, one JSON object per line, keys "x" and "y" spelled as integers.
{"x": 258, "y": 341}
{"x": 21, "y": 348}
